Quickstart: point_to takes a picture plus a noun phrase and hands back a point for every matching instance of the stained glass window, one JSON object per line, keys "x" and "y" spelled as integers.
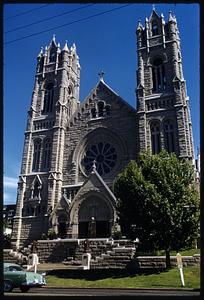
{"x": 104, "y": 155}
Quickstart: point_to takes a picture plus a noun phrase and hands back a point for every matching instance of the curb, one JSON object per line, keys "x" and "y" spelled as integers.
{"x": 110, "y": 288}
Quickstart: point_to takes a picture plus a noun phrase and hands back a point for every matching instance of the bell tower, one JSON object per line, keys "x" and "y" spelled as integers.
{"x": 54, "y": 100}
{"x": 163, "y": 114}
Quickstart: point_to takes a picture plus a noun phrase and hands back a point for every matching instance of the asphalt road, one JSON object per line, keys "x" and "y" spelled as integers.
{"x": 57, "y": 292}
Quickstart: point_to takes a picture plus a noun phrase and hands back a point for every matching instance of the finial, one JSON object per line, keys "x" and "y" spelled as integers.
{"x": 53, "y": 38}
{"x": 94, "y": 166}
{"x": 73, "y": 48}
{"x": 41, "y": 52}
{"x": 101, "y": 73}
{"x": 65, "y": 47}
{"x": 153, "y": 6}
{"x": 139, "y": 26}
{"x": 171, "y": 18}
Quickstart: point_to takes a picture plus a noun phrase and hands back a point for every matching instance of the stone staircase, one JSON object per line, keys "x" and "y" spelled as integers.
{"x": 96, "y": 247}
{"x": 106, "y": 253}
{"x": 118, "y": 257}
{"x": 12, "y": 256}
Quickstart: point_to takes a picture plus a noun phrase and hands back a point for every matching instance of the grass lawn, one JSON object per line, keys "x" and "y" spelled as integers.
{"x": 124, "y": 279}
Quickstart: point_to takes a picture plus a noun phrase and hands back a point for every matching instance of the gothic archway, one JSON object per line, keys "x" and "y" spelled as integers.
{"x": 95, "y": 218}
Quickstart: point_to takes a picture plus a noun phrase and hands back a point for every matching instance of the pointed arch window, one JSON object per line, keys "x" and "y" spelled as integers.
{"x": 100, "y": 108}
{"x": 70, "y": 90}
{"x": 47, "y": 154}
{"x": 52, "y": 57}
{"x": 158, "y": 76}
{"x": 49, "y": 98}
{"x": 155, "y": 30}
{"x": 36, "y": 155}
{"x": 155, "y": 137}
{"x": 108, "y": 109}
{"x": 36, "y": 190}
{"x": 169, "y": 136}
{"x": 93, "y": 112}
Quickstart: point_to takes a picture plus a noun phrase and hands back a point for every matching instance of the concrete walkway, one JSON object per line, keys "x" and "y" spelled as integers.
{"x": 54, "y": 266}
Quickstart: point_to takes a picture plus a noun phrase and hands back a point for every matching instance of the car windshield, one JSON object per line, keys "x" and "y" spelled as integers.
{"x": 13, "y": 268}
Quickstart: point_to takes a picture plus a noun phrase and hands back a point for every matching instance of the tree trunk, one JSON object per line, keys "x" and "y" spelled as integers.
{"x": 168, "y": 261}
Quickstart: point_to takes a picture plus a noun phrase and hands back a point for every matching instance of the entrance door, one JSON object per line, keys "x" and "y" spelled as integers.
{"x": 62, "y": 229}
{"x": 102, "y": 229}
{"x": 83, "y": 230}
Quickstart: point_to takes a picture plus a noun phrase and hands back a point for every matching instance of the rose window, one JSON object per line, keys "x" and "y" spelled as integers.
{"x": 104, "y": 155}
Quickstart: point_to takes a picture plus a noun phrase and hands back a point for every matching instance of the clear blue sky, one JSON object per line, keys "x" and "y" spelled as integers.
{"x": 105, "y": 42}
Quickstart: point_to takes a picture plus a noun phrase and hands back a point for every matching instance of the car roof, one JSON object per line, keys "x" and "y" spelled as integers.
{"x": 7, "y": 264}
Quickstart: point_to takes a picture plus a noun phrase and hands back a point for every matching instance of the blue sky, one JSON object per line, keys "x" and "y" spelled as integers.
{"x": 106, "y": 41}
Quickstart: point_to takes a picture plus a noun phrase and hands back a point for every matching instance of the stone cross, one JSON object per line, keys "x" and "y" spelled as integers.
{"x": 101, "y": 73}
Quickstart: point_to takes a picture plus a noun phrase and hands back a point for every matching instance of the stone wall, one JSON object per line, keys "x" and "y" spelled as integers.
{"x": 160, "y": 261}
{"x": 105, "y": 253}
{"x": 56, "y": 250}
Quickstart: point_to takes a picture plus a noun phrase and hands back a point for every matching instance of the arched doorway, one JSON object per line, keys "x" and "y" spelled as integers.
{"x": 94, "y": 217}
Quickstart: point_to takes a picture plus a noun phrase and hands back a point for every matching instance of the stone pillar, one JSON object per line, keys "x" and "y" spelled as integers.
{"x": 17, "y": 225}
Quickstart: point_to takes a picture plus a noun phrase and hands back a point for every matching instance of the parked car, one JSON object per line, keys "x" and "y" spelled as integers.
{"x": 15, "y": 276}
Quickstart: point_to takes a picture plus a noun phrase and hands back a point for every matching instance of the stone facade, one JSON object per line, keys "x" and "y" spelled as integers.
{"x": 73, "y": 150}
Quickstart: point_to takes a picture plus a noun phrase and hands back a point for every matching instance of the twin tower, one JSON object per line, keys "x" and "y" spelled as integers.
{"x": 73, "y": 150}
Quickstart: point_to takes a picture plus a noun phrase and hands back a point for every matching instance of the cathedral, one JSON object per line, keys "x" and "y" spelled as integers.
{"x": 73, "y": 150}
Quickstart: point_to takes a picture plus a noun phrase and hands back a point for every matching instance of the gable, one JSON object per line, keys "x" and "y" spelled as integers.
{"x": 94, "y": 184}
{"x": 104, "y": 119}
{"x": 101, "y": 102}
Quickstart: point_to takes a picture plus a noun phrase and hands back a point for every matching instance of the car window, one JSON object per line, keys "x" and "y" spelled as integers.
{"x": 15, "y": 268}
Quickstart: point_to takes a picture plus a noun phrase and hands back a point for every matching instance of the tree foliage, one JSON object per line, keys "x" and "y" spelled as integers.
{"x": 158, "y": 201}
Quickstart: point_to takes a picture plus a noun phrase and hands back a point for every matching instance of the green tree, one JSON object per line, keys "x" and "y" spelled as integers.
{"x": 158, "y": 202}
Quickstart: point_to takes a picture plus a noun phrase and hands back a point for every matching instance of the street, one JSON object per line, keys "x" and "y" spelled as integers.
{"x": 46, "y": 291}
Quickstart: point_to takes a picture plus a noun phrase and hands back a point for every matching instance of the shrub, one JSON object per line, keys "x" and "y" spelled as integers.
{"x": 51, "y": 234}
{"x": 117, "y": 235}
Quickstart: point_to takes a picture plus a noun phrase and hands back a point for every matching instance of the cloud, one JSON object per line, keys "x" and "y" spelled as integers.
{"x": 10, "y": 182}
{"x": 9, "y": 198}
{"x": 10, "y": 189}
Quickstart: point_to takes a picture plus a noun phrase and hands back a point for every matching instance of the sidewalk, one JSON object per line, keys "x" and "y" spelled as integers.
{"x": 54, "y": 266}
